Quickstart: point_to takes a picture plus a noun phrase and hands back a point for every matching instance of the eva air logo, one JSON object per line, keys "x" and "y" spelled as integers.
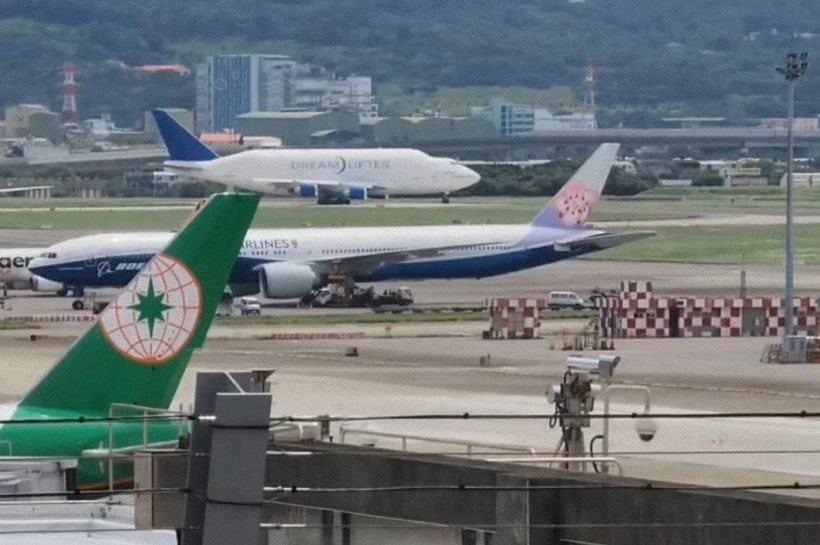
{"x": 154, "y": 317}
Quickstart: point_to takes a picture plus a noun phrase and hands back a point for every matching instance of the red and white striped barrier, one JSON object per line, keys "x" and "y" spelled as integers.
{"x": 515, "y": 318}
{"x": 637, "y": 313}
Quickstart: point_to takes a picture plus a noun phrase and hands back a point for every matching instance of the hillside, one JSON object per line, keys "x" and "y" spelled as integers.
{"x": 712, "y": 57}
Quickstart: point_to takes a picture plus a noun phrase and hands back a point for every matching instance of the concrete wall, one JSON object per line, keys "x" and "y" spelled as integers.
{"x": 540, "y": 516}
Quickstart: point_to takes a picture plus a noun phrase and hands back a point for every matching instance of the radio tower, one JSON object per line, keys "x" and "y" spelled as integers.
{"x": 589, "y": 94}
{"x": 69, "y": 95}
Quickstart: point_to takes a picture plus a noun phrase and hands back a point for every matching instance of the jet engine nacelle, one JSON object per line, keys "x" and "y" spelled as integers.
{"x": 286, "y": 280}
{"x": 357, "y": 193}
{"x": 308, "y": 190}
{"x": 38, "y": 283}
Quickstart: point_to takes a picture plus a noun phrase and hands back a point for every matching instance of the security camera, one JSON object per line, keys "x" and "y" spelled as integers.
{"x": 646, "y": 428}
{"x": 554, "y": 393}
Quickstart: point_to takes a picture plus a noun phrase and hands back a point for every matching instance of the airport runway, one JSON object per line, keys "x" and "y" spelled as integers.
{"x": 439, "y": 374}
{"x": 580, "y": 276}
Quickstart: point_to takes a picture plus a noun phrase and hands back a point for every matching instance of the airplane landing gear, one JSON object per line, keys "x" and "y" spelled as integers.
{"x": 445, "y": 199}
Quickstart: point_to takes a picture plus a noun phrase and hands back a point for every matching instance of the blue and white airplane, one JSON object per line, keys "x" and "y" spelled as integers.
{"x": 287, "y": 263}
{"x": 330, "y": 175}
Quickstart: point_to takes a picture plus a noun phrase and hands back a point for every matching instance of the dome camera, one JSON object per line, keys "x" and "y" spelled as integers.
{"x": 646, "y": 428}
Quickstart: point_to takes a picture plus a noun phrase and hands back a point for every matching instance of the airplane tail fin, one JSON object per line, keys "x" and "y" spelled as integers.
{"x": 574, "y": 202}
{"x": 139, "y": 347}
{"x": 180, "y": 143}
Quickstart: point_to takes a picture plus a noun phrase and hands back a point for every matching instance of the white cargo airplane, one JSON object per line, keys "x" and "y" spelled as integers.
{"x": 15, "y": 274}
{"x": 286, "y": 263}
{"x": 330, "y": 175}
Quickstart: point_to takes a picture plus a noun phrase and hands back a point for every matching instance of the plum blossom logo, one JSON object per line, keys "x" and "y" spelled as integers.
{"x": 574, "y": 203}
{"x": 155, "y": 316}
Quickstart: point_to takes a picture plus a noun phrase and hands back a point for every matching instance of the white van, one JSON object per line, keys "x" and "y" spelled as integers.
{"x": 556, "y": 300}
{"x": 249, "y": 306}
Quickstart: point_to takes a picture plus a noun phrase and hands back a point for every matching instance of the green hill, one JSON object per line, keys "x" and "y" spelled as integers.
{"x": 695, "y": 57}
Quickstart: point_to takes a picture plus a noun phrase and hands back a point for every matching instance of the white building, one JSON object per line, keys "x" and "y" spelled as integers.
{"x": 353, "y": 93}
{"x": 802, "y": 179}
{"x": 232, "y": 85}
{"x": 516, "y": 120}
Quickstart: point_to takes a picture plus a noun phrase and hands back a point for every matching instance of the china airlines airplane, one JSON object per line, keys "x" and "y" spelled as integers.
{"x": 287, "y": 263}
{"x": 329, "y": 175}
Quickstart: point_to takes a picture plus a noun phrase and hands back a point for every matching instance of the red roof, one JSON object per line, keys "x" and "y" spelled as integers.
{"x": 156, "y": 68}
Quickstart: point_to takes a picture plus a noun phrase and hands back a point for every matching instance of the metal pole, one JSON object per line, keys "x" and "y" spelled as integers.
{"x": 789, "y": 302}
{"x": 796, "y": 65}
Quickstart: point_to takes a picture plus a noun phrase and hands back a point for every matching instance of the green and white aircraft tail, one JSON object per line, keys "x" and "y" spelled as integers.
{"x": 137, "y": 351}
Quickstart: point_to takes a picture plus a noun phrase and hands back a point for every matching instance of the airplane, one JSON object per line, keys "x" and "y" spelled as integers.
{"x": 332, "y": 176}
{"x": 15, "y": 274}
{"x": 291, "y": 263}
{"x": 136, "y": 351}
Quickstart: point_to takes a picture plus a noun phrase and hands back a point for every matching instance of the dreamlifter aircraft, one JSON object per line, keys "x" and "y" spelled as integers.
{"x": 331, "y": 175}
{"x": 286, "y": 263}
{"x": 136, "y": 352}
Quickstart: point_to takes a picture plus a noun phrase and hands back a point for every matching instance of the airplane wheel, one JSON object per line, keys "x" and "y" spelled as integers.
{"x": 445, "y": 199}
{"x": 78, "y": 305}
{"x": 62, "y": 293}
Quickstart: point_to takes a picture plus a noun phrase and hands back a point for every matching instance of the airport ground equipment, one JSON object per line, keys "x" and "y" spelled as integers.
{"x": 338, "y": 295}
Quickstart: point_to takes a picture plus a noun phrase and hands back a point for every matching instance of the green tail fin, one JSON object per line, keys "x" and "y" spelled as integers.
{"x": 138, "y": 349}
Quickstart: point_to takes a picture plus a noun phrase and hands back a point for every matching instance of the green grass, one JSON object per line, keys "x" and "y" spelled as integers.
{"x": 12, "y": 324}
{"x": 388, "y": 318}
{"x": 479, "y": 211}
{"x": 57, "y": 203}
{"x": 753, "y": 245}
{"x": 346, "y": 318}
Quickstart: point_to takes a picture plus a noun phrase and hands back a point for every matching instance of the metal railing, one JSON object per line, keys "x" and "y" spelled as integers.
{"x": 469, "y": 445}
{"x": 146, "y": 411}
{"x": 605, "y": 461}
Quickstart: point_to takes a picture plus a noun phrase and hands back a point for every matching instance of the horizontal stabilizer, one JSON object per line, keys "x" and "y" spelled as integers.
{"x": 600, "y": 241}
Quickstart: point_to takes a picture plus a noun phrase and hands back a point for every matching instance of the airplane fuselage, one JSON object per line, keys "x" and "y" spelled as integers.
{"x": 394, "y": 171}
{"x": 472, "y": 251}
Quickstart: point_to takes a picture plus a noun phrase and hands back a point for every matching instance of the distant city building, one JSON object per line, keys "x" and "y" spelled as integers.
{"x": 297, "y": 128}
{"x": 407, "y": 130}
{"x": 46, "y": 125}
{"x": 183, "y": 116}
{"x": 228, "y": 86}
{"x": 735, "y": 173}
{"x": 801, "y": 124}
{"x": 179, "y": 69}
{"x": 18, "y": 119}
{"x": 516, "y": 120}
{"x": 802, "y": 179}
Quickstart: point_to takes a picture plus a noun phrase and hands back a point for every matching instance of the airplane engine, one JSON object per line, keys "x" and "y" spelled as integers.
{"x": 39, "y": 283}
{"x": 357, "y": 193}
{"x": 308, "y": 190}
{"x": 286, "y": 280}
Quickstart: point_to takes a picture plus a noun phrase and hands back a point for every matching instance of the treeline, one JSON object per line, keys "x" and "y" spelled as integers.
{"x": 511, "y": 180}
{"x": 660, "y": 56}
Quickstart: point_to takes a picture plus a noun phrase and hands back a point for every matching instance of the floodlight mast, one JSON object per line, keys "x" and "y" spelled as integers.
{"x": 795, "y": 67}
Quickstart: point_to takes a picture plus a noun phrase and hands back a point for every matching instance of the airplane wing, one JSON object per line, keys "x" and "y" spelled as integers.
{"x": 295, "y": 183}
{"x": 600, "y": 241}
{"x": 371, "y": 261}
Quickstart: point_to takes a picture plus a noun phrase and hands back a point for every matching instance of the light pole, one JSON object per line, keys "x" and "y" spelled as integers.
{"x": 794, "y": 68}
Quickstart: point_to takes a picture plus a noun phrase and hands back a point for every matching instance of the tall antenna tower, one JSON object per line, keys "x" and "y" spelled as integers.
{"x": 589, "y": 93}
{"x": 69, "y": 114}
